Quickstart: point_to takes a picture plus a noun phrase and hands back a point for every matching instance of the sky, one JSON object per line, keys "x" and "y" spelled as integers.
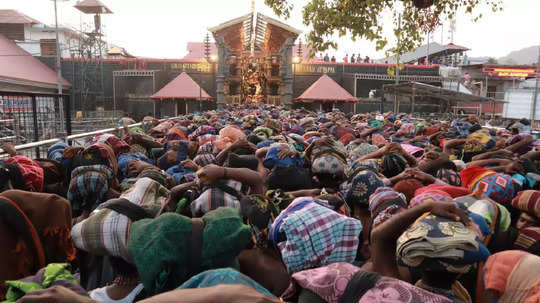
{"x": 162, "y": 28}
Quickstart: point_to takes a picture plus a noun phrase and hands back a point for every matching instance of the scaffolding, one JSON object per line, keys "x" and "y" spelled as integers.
{"x": 87, "y": 62}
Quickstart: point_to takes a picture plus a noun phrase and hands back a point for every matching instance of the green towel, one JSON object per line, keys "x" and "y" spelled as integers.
{"x": 161, "y": 247}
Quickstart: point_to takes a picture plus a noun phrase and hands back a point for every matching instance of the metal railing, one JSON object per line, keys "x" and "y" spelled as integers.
{"x": 274, "y": 100}
{"x": 33, "y": 149}
{"x": 233, "y": 99}
{"x": 27, "y": 117}
{"x": 496, "y": 95}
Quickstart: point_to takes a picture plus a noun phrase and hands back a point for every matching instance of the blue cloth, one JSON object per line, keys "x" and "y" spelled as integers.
{"x": 228, "y": 276}
{"x": 498, "y": 187}
{"x": 181, "y": 154}
{"x": 362, "y": 185}
{"x": 56, "y": 151}
{"x": 481, "y": 223}
{"x": 272, "y": 159}
{"x": 123, "y": 164}
{"x": 265, "y": 143}
{"x": 178, "y": 172}
{"x": 88, "y": 186}
{"x": 525, "y": 182}
{"x": 310, "y": 140}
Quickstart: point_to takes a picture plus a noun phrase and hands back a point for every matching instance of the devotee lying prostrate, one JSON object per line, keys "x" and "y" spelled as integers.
{"x": 264, "y": 204}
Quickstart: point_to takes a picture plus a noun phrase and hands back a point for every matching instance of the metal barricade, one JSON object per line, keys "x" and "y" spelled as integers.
{"x": 32, "y": 117}
{"x": 29, "y": 149}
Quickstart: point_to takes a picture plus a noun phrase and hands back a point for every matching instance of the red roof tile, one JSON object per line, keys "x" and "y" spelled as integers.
{"x": 182, "y": 87}
{"x": 16, "y": 17}
{"x": 326, "y": 89}
{"x": 92, "y": 7}
{"x": 18, "y": 64}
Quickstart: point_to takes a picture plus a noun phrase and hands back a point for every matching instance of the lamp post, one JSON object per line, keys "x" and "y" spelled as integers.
{"x": 58, "y": 65}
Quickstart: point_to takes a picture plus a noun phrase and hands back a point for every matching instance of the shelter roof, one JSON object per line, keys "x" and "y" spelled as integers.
{"x": 18, "y": 65}
{"x": 182, "y": 87}
{"x": 326, "y": 89}
{"x": 435, "y": 49}
{"x": 456, "y": 47}
{"x": 92, "y": 7}
{"x": 436, "y": 92}
{"x": 15, "y": 17}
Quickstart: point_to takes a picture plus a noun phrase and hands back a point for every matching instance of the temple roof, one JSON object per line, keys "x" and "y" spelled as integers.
{"x": 326, "y": 89}
{"x": 182, "y": 87}
{"x": 268, "y": 34}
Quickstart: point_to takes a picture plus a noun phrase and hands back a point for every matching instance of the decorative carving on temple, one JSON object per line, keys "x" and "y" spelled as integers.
{"x": 285, "y": 53}
{"x": 223, "y": 56}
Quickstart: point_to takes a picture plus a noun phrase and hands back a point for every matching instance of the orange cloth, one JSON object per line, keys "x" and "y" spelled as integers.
{"x": 513, "y": 275}
{"x": 471, "y": 175}
{"x": 228, "y": 135}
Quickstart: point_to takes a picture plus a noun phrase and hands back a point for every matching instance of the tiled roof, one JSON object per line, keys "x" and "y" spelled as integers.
{"x": 17, "y": 64}
{"x": 16, "y": 17}
{"x": 326, "y": 89}
{"x": 182, "y": 87}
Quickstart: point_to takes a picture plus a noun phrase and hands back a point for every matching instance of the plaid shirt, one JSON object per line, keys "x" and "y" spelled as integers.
{"x": 214, "y": 197}
{"x": 88, "y": 186}
{"x": 106, "y": 232}
{"x": 309, "y": 235}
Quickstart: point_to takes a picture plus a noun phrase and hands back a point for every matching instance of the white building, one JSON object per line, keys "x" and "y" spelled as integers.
{"x": 35, "y": 37}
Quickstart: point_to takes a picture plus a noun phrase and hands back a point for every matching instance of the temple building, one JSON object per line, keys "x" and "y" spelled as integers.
{"x": 253, "y": 59}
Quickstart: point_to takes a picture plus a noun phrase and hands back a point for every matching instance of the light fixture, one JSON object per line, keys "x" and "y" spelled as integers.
{"x": 213, "y": 58}
{"x": 296, "y": 59}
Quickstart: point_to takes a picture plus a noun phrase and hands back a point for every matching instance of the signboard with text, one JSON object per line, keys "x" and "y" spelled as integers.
{"x": 15, "y": 104}
{"x": 199, "y": 67}
{"x": 504, "y": 72}
{"x": 313, "y": 69}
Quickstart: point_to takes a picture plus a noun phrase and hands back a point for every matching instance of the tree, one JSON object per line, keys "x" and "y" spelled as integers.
{"x": 509, "y": 61}
{"x": 491, "y": 60}
{"x": 361, "y": 19}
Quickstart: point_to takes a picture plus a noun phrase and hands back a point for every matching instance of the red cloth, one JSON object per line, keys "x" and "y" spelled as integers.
{"x": 431, "y": 130}
{"x": 346, "y": 139}
{"x": 454, "y": 191}
{"x": 176, "y": 134}
{"x": 408, "y": 187}
{"x": 118, "y": 145}
{"x": 471, "y": 175}
{"x": 526, "y": 238}
{"x": 30, "y": 170}
{"x": 528, "y": 201}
